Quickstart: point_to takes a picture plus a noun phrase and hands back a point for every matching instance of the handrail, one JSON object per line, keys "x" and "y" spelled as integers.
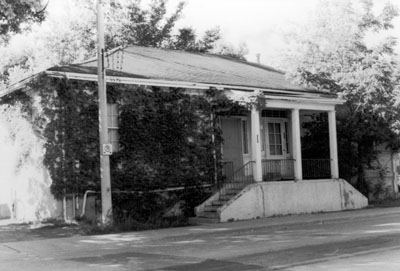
{"x": 239, "y": 178}
{"x": 244, "y": 167}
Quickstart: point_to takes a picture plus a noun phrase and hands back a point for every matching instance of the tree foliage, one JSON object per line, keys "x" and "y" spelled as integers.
{"x": 186, "y": 40}
{"x": 165, "y": 137}
{"x": 337, "y": 54}
{"x": 17, "y": 15}
{"x": 70, "y": 37}
{"x": 67, "y": 118}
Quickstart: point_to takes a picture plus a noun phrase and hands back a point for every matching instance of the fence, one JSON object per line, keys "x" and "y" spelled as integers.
{"x": 277, "y": 169}
{"x": 283, "y": 169}
{"x": 316, "y": 168}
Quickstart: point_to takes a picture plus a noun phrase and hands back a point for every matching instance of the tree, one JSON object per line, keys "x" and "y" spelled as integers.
{"x": 186, "y": 40}
{"x": 17, "y": 15}
{"x": 232, "y": 51}
{"x": 336, "y": 55}
{"x": 70, "y": 37}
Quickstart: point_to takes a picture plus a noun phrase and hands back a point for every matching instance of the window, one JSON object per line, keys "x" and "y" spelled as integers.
{"x": 274, "y": 114}
{"x": 245, "y": 139}
{"x": 112, "y": 121}
{"x": 275, "y": 138}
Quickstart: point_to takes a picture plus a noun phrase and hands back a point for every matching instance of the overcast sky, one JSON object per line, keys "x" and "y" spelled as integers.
{"x": 257, "y": 23}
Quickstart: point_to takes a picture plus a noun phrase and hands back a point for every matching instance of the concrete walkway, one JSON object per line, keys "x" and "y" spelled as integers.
{"x": 271, "y": 222}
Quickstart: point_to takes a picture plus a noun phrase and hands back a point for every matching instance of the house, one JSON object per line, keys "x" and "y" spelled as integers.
{"x": 264, "y": 173}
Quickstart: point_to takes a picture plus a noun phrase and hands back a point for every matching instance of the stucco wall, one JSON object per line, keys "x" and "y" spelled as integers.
{"x": 282, "y": 198}
{"x": 24, "y": 181}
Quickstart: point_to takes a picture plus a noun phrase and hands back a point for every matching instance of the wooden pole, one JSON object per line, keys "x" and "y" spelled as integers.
{"x": 106, "y": 203}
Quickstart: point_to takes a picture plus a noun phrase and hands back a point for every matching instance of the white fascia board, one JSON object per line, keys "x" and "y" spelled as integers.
{"x": 289, "y": 101}
{"x": 301, "y": 100}
{"x": 168, "y": 83}
{"x": 18, "y": 85}
{"x": 306, "y": 104}
{"x": 132, "y": 81}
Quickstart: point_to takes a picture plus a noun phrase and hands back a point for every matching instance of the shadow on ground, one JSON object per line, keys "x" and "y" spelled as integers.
{"x": 26, "y": 232}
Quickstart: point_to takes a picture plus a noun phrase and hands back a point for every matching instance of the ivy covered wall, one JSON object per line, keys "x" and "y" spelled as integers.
{"x": 66, "y": 116}
{"x": 165, "y": 136}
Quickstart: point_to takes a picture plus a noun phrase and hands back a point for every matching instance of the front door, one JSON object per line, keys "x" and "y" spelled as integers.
{"x": 277, "y": 139}
{"x": 232, "y": 147}
{"x": 277, "y": 149}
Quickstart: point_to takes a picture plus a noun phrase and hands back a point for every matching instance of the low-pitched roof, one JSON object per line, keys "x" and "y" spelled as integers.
{"x": 190, "y": 70}
{"x": 183, "y": 66}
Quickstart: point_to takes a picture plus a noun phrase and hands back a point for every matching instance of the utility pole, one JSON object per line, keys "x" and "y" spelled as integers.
{"x": 105, "y": 147}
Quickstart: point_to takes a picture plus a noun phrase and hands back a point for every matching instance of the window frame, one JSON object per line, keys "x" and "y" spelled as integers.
{"x": 113, "y": 125}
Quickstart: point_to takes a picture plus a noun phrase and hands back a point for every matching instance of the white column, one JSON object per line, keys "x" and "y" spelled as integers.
{"x": 296, "y": 143}
{"x": 256, "y": 144}
{"x": 333, "y": 145}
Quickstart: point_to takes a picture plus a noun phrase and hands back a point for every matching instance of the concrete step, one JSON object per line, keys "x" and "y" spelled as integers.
{"x": 211, "y": 208}
{"x": 202, "y": 220}
{"x": 208, "y": 214}
{"x": 231, "y": 192}
{"x": 218, "y": 203}
{"x": 226, "y": 198}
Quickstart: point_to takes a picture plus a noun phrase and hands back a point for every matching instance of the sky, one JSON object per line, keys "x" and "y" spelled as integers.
{"x": 259, "y": 24}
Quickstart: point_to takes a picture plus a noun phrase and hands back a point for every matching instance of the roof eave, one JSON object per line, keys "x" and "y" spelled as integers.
{"x": 269, "y": 93}
{"x": 180, "y": 84}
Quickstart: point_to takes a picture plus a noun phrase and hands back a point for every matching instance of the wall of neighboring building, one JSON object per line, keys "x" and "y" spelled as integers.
{"x": 25, "y": 182}
{"x": 386, "y": 184}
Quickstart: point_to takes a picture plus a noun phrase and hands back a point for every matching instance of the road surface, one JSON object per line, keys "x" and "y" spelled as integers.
{"x": 369, "y": 242}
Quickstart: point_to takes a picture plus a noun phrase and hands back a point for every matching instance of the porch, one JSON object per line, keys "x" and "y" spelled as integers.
{"x": 279, "y": 170}
{"x": 267, "y": 145}
{"x": 264, "y": 172}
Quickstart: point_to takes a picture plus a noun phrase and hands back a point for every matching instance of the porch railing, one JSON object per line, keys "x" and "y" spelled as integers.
{"x": 240, "y": 177}
{"x": 316, "y": 168}
{"x": 277, "y": 169}
{"x": 283, "y": 169}
{"x": 227, "y": 169}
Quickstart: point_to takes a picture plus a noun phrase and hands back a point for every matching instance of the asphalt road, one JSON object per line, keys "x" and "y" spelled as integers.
{"x": 359, "y": 243}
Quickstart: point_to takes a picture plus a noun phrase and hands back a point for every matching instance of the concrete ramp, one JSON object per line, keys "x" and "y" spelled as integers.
{"x": 267, "y": 199}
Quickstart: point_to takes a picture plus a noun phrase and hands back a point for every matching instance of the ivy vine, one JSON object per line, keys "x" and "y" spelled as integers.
{"x": 168, "y": 138}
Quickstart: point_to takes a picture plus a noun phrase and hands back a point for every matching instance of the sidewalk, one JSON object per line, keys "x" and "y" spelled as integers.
{"x": 280, "y": 221}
